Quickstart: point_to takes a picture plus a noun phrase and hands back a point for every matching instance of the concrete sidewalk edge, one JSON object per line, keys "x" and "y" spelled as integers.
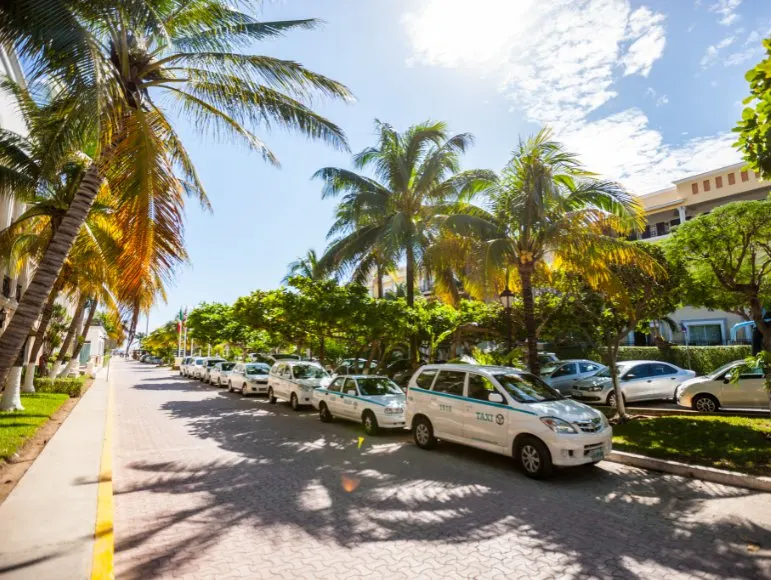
{"x": 710, "y": 474}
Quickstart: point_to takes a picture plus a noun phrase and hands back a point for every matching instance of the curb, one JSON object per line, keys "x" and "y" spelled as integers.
{"x": 711, "y": 474}
{"x": 656, "y": 412}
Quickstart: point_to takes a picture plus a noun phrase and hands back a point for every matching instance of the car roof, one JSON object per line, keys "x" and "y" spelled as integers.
{"x": 638, "y": 362}
{"x": 569, "y": 360}
{"x": 463, "y": 367}
{"x": 292, "y": 362}
{"x": 362, "y": 377}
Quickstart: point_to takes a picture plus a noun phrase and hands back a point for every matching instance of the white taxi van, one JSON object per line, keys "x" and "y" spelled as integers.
{"x": 505, "y": 411}
{"x": 376, "y": 402}
{"x": 294, "y": 381}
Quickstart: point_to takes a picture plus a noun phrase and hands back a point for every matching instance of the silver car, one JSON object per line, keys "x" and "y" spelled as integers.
{"x": 249, "y": 378}
{"x": 208, "y": 365}
{"x": 220, "y": 373}
{"x": 640, "y": 380}
{"x": 566, "y": 374}
{"x": 717, "y": 389}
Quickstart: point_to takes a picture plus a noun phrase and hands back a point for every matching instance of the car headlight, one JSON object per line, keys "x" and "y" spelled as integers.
{"x": 558, "y": 425}
{"x": 605, "y": 422}
{"x": 593, "y": 389}
{"x": 394, "y": 410}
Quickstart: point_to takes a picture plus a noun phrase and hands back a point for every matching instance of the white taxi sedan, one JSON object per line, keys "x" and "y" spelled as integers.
{"x": 505, "y": 411}
{"x": 376, "y": 402}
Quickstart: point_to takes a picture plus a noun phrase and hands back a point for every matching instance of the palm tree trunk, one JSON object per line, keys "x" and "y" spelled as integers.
{"x": 77, "y": 320}
{"x": 133, "y": 331}
{"x": 82, "y": 337}
{"x": 11, "y": 400}
{"x": 410, "y": 290}
{"x": 612, "y": 358}
{"x": 48, "y": 271}
{"x": 40, "y": 334}
{"x": 379, "y": 275}
{"x": 531, "y": 332}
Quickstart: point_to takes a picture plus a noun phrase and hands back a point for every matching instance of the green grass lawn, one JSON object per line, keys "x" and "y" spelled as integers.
{"x": 734, "y": 443}
{"x": 18, "y": 426}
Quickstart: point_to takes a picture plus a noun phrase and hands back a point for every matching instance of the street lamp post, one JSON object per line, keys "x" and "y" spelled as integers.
{"x": 507, "y": 298}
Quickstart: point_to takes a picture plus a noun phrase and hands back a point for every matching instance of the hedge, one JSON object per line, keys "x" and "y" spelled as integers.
{"x": 68, "y": 386}
{"x": 702, "y": 359}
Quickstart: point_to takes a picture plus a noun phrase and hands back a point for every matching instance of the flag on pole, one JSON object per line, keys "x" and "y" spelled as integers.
{"x": 180, "y": 321}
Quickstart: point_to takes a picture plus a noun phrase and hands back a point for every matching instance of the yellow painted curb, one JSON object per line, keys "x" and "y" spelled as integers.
{"x": 104, "y": 541}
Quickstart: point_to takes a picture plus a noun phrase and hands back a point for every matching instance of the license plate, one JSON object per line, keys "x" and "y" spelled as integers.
{"x": 597, "y": 454}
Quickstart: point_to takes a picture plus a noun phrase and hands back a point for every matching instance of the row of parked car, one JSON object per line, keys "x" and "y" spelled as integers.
{"x": 649, "y": 380}
{"x": 543, "y": 422}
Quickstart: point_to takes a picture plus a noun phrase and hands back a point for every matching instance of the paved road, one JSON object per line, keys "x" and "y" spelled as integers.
{"x": 210, "y": 485}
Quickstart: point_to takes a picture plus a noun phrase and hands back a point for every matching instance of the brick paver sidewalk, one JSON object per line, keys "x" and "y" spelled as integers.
{"x": 210, "y": 485}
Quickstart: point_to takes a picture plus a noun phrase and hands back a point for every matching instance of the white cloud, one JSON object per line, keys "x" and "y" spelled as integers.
{"x": 560, "y": 61}
{"x": 710, "y": 56}
{"x": 726, "y": 9}
{"x": 659, "y": 99}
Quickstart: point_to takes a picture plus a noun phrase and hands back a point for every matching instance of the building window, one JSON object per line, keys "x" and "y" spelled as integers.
{"x": 705, "y": 333}
{"x": 718, "y": 182}
{"x": 731, "y": 179}
{"x": 7, "y": 286}
{"x": 745, "y": 176}
{"x": 662, "y": 228}
{"x": 694, "y": 188}
{"x": 706, "y": 185}
{"x": 18, "y": 292}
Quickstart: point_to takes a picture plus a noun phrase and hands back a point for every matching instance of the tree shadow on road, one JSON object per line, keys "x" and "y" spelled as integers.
{"x": 286, "y": 474}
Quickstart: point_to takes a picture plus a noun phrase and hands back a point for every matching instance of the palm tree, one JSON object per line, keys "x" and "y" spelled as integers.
{"x": 114, "y": 60}
{"x": 307, "y": 266}
{"x": 544, "y": 211}
{"x": 392, "y": 216}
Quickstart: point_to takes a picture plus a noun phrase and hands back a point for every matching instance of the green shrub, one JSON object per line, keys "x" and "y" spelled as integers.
{"x": 68, "y": 386}
{"x": 702, "y": 359}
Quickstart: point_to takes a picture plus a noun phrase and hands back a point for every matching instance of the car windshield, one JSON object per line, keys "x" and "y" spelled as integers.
{"x": 228, "y": 366}
{"x": 374, "y": 386}
{"x": 719, "y": 372}
{"x": 547, "y": 370}
{"x": 257, "y": 369}
{"x": 308, "y": 372}
{"x": 199, "y": 361}
{"x": 605, "y": 373}
{"x": 527, "y": 388}
{"x": 211, "y": 363}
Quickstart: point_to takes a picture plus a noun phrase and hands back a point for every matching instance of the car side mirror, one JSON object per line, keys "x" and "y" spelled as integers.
{"x": 495, "y": 398}
{"x": 726, "y": 379}
{"x": 351, "y": 392}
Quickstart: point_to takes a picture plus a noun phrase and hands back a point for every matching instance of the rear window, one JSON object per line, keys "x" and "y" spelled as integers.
{"x": 450, "y": 382}
{"x": 228, "y": 366}
{"x": 425, "y": 379}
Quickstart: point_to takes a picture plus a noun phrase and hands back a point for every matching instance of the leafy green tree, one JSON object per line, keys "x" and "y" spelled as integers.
{"x": 121, "y": 67}
{"x": 307, "y": 266}
{"x": 754, "y": 128}
{"x": 728, "y": 254}
{"x": 163, "y": 342}
{"x": 544, "y": 205}
{"x": 635, "y": 297}
{"x": 391, "y": 216}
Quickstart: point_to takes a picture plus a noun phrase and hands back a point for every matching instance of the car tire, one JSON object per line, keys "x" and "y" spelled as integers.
{"x": 423, "y": 433}
{"x": 533, "y": 457}
{"x": 611, "y": 401}
{"x": 243, "y": 391}
{"x": 369, "y": 421}
{"x": 294, "y": 402}
{"x": 705, "y": 404}
{"x": 324, "y": 415}
{"x": 271, "y": 397}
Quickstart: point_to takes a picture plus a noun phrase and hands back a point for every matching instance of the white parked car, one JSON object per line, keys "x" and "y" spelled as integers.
{"x": 506, "y": 411}
{"x": 208, "y": 366}
{"x": 715, "y": 390}
{"x": 249, "y": 378}
{"x": 640, "y": 380}
{"x": 377, "y": 402}
{"x": 294, "y": 381}
{"x": 184, "y": 366}
{"x": 220, "y": 372}
{"x": 196, "y": 366}
{"x": 564, "y": 375}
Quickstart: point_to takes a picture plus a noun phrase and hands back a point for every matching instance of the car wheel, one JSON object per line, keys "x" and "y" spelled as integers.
{"x": 369, "y": 421}
{"x": 271, "y": 398}
{"x": 534, "y": 458}
{"x": 423, "y": 432}
{"x": 705, "y": 404}
{"x": 612, "y": 399}
{"x": 294, "y": 402}
{"x": 243, "y": 390}
{"x": 324, "y": 415}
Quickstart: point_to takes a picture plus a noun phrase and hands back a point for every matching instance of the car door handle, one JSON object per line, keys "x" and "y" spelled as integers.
{"x": 649, "y": 381}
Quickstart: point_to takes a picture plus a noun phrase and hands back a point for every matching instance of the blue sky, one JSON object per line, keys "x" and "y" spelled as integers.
{"x": 645, "y": 92}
